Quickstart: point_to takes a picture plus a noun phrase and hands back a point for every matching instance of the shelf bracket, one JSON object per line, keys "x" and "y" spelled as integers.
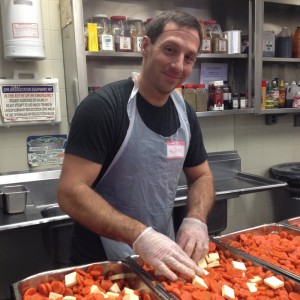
{"x": 296, "y": 120}
{"x": 271, "y": 119}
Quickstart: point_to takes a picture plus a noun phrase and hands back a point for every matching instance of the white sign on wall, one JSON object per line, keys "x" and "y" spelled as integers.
{"x": 29, "y": 101}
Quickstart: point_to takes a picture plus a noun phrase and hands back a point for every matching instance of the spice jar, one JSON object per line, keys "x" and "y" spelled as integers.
{"x": 201, "y": 97}
{"x": 189, "y": 95}
{"x": 105, "y": 37}
{"x": 136, "y": 33}
{"x": 213, "y": 30}
{"x": 206, "y": 41}
{"x": 121, "y": 34}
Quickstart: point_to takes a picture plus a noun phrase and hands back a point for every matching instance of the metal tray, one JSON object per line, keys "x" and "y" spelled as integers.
{"x": 293, "y": 222}
{"x": 264, "y": 229}
{"x": 229, "y": 253}
{"x": 135, "y": 282}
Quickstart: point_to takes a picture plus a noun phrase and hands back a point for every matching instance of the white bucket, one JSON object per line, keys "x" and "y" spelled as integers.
{"x": 234, "y": 41}
{"x": 22, "y": 29}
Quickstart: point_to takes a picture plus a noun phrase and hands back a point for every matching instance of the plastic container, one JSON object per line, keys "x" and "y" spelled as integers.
{"x": 121, "y": 34}
{"x": 189, "y": 95}
{"x": 296, "y": 43}
{"x": 201, "y": 97}
{"x": 14, "y": 198}
{"x": 136, "y": 33}
{"x": 283, "y": 43}
{"x": 291, "y": 92}
{"x": 268, "y": 44}
{"x": 105, "y": 37}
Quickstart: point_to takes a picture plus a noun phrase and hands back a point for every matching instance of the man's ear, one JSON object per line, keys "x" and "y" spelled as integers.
{"x": 145, "y": 44}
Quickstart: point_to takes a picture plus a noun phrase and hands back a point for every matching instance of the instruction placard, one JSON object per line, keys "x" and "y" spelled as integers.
{"x": 21, "y": 103}
{"x": 46, "y": 149}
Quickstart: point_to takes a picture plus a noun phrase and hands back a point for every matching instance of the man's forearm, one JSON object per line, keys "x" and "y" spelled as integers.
{"x": 201, "y": 197}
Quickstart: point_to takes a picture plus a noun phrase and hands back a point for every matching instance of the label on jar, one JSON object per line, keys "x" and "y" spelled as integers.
{"x": 125, "y": 43}
{"x": 206, "y": 46}
{"x": 139, "y": 40}
{"x": 107, "y": 42}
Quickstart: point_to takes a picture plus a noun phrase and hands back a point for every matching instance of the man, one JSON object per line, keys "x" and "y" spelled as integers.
{"x": 128, "y": 144}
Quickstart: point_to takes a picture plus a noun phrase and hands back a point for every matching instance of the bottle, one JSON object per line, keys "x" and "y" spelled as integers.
{"x": 263, "y": 94}
{"x": 268, "y": 44}
{"x": 296, "y": 43}
{"x": 218, "y": 97}
{"x": 227, "y": 96}
{"x": 296, "y": 100}
{"x": 283, "y": 43}
{"x": 269, "y": 97}
{"x": 243, "y": 101}
{"x": 179, "y": 89}
{"x": 291, "y": 91}
{"x": 201, "y": 97}
{"x": 189, "y": 95}
{"x": 275, "y": 93}
{"x": 282, "y": 92}
{"x": 235, "y": 101}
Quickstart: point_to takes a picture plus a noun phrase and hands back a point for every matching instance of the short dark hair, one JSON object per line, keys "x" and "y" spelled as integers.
{"x": 156, "y": 26}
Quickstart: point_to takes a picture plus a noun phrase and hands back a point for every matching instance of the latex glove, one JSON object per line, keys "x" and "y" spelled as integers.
{"x": 164, "y": 255}
{"x": 193, "y": 238}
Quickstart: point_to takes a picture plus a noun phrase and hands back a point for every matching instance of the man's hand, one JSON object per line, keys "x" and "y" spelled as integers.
{"x": 193, "y": 238}
{"x": 164, "y": 255}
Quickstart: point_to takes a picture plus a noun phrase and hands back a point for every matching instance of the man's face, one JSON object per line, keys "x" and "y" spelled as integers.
{"x": 170, "y": 60}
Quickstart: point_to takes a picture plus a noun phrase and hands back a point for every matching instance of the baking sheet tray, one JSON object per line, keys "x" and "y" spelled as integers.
{"x": 134, "y": 282}
{"x": 264, "y": 229}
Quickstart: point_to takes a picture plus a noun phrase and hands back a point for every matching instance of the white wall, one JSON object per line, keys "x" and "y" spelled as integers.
{"x": 260, "y": 146}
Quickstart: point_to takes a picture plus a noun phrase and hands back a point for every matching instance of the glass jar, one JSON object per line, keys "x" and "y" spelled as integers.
{"x": 105, "y": 37}
{"x": 213, "y": 30}
{"x": 201, "y": 97}
{"x": 121, "y": 34}
{"x": 206, "y": 41}
{"x": 136, "y": 33}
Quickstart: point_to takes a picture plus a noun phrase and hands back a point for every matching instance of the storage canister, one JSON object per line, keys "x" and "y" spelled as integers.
{"x": 136, "y": 33}
{"x": 234, "y": 41}
{"x": 283, "y": 43}
{"x": 121, "y": 34}
{"x": 296, "y": 43}
{"x": 189, "y": 95}
{"x": 201, "y": 97}
{"x": 105, "y": 37}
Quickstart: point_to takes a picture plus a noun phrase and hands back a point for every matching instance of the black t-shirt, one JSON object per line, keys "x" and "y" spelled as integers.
{"x": 98, "y": 130}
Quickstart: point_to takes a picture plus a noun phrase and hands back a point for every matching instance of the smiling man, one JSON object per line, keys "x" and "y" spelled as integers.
{"x": 128, "y": 143}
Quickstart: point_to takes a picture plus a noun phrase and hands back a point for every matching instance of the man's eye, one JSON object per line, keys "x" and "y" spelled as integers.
{"x": 169, "y": 50}
{"x": 190, "y": 58}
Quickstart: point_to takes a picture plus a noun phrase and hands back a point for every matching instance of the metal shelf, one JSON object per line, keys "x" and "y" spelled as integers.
{"x": 137, "y": 55}
{"x": 279, "y": 111}
{"x": 225, "y": 112}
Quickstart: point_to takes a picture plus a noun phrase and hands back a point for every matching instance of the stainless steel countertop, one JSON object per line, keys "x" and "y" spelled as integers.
{"x": 42, "y": 207}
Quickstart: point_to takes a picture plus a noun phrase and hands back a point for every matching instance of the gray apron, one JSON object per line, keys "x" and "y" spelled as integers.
{"x": 141, "y": 181}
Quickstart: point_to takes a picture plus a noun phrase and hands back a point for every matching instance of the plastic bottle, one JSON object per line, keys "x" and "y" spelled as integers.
{"x": 201, "y": 97}
{"x": 235, "y": 101}
{"x": 296, "y": 100}
{"x": 189, "y": 95}
{"x": 291, "y": 91}
{"x": 243, "y": 101}
{"x": 269, "y": 97}
{"x": 268, "y": 44}
{"x": 282, "y": 94}
{"x": 296, "y": 43}
{"x": 275, "y": 93}
{"x": 263, "y": 94}
{"x": 283, "y": 43}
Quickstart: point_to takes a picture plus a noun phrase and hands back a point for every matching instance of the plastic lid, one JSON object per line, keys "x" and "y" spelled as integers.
{"x": 117, "y": 18}
{"x": 210, "y": 22}
{"x": 287, "y": 171}
{"x": 200, "y": 86}
{"x": 189, "y": 85}
{"x": 263, "y": 83}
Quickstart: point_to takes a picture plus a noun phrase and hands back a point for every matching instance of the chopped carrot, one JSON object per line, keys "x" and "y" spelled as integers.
{"x": 30, "y": 291}
{"x": 211, "y": 246}
{"x": 58, "y": 287}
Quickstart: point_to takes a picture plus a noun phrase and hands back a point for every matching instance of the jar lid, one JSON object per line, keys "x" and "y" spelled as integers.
{"x": 134, "y": 19}
{"x": 117, "y": 18}
{"x": 210, "y": 22}
{"x": 189, "y": 85}
{"x": 200, "y": 86}
{"x": 100, "y": 16}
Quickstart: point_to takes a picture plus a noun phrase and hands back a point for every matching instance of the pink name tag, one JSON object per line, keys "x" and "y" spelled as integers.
{"x": 175, "y": 149}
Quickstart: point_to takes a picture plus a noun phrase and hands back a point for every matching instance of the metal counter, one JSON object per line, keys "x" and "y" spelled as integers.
{"x": 42, "y": 206}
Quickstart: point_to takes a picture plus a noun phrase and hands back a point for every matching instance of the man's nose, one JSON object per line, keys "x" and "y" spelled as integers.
{"x": 178, "y": 62}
